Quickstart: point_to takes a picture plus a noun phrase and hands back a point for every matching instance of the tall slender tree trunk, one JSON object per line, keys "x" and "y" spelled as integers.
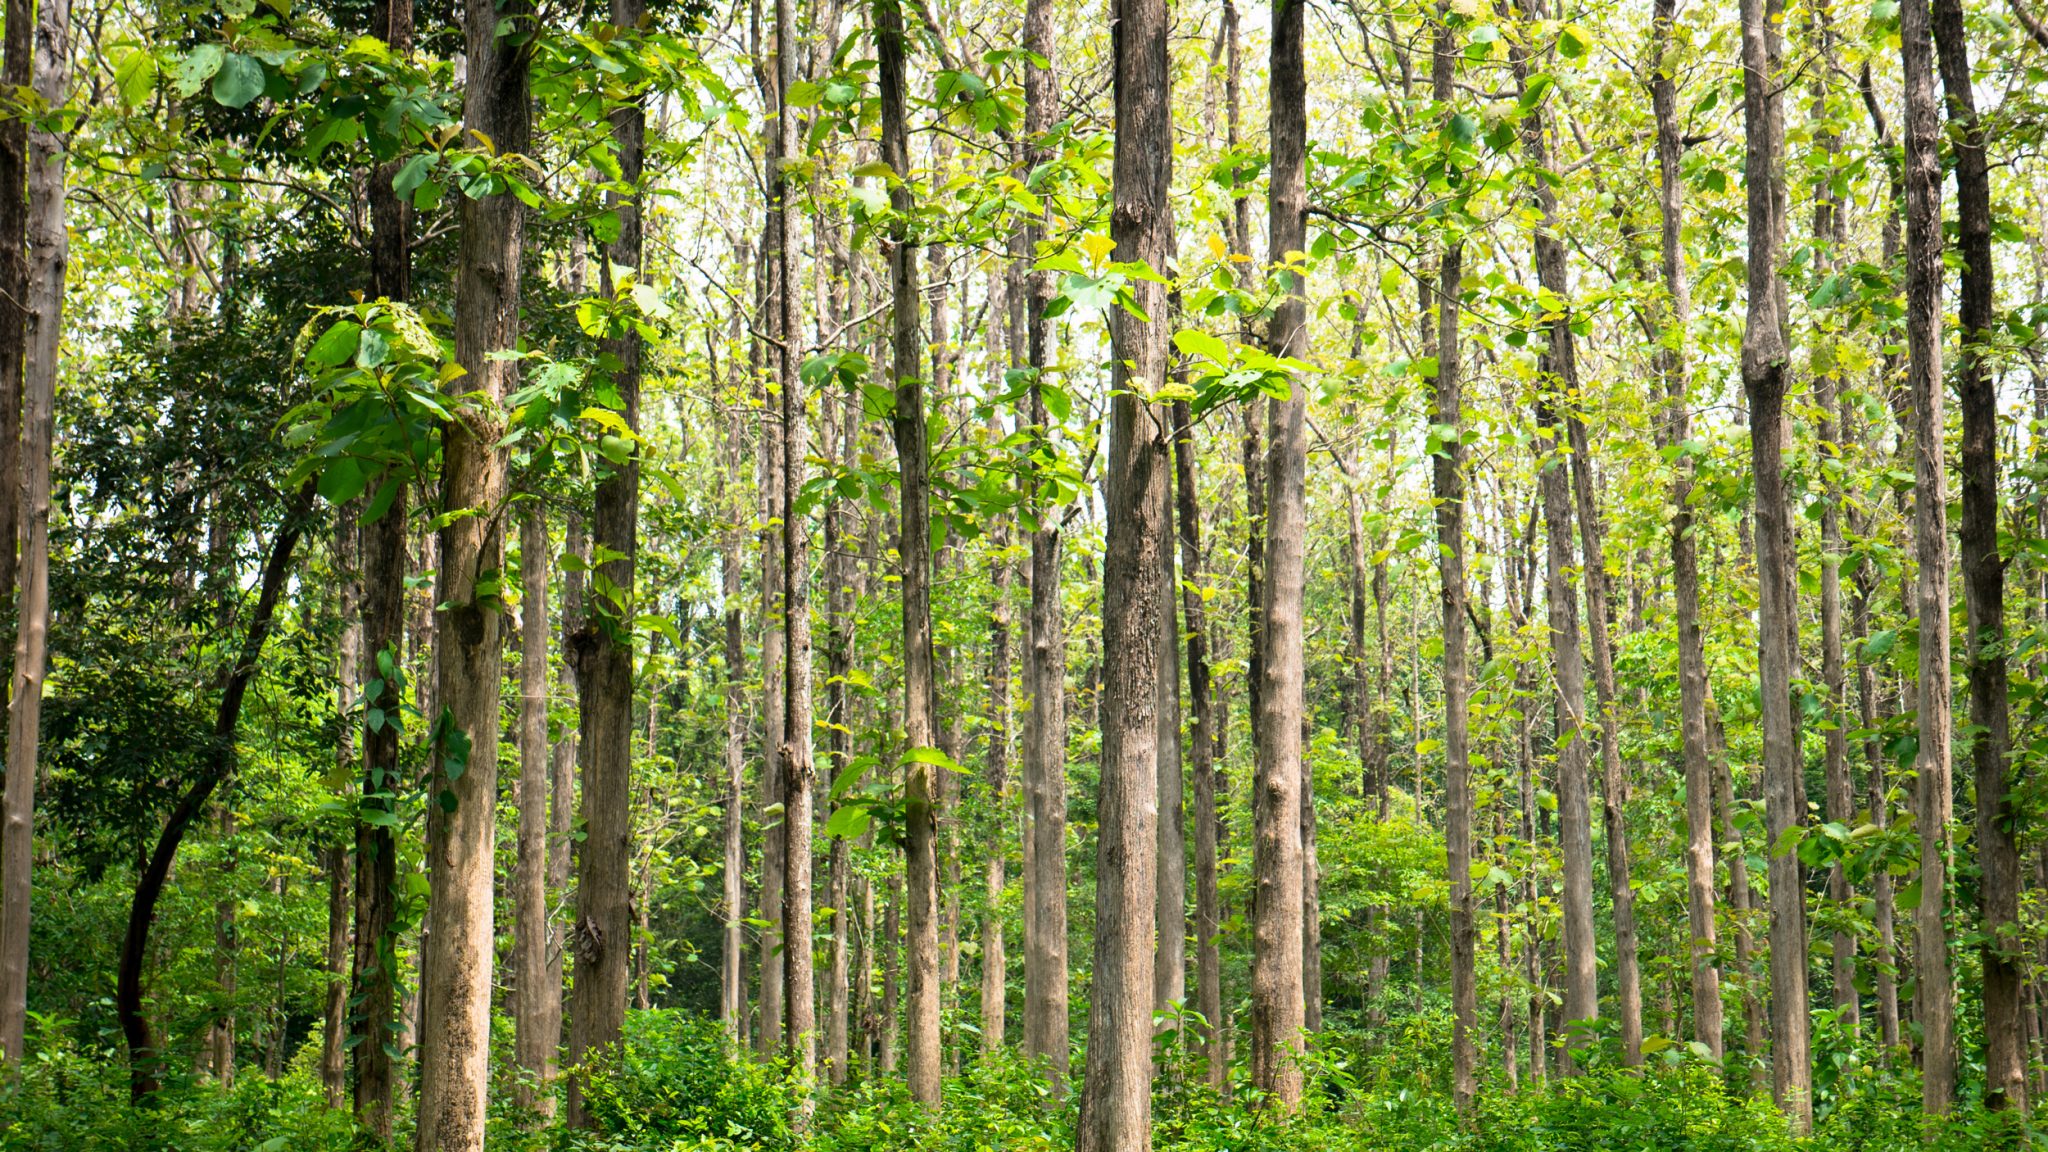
{"x": 732, "y": 982}
{"x": 1628, "y": 975}
{"x": 1557, "y": 366}
{"x": 1984, "y": 577}
{"x": 768, "y": 1001}
{"x": 1201, "y": 748}
{"x": 1829, "y": 237}
{"x": 1447, "y": 485}
{"x": 799, "y": 774}
{"x": 839, "y": 605}
{"x": 1934, "y": 1006}
{"x": 1704, "y": 959}
{"x": 16, "y": 70}
{"x": 994, "y": 958}
{"x": 1045, "y": 658}
{"x": 334, "y": 857}
{"x": 603, "y": 933}
{"x": 374, "y": 965}
{"x": 1883, "y": 914}
{"x": 48, "y": 255}
{"x": 1116, "y": 1095}
{"x": 455, "y": 968}
{"x": 537, "y": 1029}
{"x": 562, "y": 772}
{"x": 914, "y": 547}
{"x": 1169, "y": 959}
{"x": 1276, "y": 994}
{"x": 1764, "y": 367}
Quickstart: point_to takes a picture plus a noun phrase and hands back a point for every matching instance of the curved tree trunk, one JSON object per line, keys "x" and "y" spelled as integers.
{"x": 149, "y": 884}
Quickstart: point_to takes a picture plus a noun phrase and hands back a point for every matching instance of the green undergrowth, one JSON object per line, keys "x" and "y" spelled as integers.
{"x": 677, "y": 1086}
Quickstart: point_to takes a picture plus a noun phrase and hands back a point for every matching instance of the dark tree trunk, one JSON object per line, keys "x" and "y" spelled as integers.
{"x": 1984, "y": 577}
{"x": 149, "y": 883}
{"x": 1201, "y": 749}
{"x": 601, "y": 938}
{"x": 914, "y": 547}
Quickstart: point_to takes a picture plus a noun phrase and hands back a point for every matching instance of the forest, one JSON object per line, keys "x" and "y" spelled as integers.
{"x": 1012, "y": 575}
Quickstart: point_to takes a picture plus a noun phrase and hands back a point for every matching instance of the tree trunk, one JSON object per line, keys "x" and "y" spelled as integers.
{"x": 16, "y": 71}
{"x": 374, "y": 963}
{"x": 156, "y": 869}
{"x": 1116, "y": 1095}
{"x": 48, "y": 254}
{"x": 1201, "y": 749}
{"x": 1764, "y": 367}
{"x": 455, "y": 962}
{"x": 1276, "y": 995}
{"x": 1685, "y": 575}
{"x": 1447, "y": 485}
{"x": 1628, "y": 976}
{"x": 1934, "y": 1006}
{"x": 1984, "y": 577}
{"x": 1045, "y": 659}
{"x": 1169, "y": 960}
{"x": 732, "y": 984}
{"x": 839, "y": 606}
{"x": 914, "y": 531}
{"x": 374, "y": 967}
{"x": 538, "y": 1029}
{"x": 562, "y": 772}
{"x": 603, "y": 652}
{"x": 994, "y": 960}
{"x": 335, "y": 856}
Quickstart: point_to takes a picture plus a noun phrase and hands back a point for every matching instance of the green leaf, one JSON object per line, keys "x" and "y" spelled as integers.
{"x": 135, "y": 77}
{"x": 343, "y": 481}
{"x": 1196, "y": 342}
{"x": 934, "y": 757}
{"x": 372, "y": 349}
{"x": 195, "y": 70}
{"x": 410, "y": 177}
{"x": 848, "y": 822}
{"x": 239, "y": 81}
{"x": 335, "y": 345}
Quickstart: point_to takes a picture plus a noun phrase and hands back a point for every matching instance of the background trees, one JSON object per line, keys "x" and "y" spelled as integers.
{"x": 1569, "y": 350}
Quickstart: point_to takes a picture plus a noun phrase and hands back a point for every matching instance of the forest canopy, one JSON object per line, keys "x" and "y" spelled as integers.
{"x": 1011, "y": 574}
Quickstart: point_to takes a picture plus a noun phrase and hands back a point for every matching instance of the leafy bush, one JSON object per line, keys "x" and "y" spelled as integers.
{"x": 676, "y": 1083}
